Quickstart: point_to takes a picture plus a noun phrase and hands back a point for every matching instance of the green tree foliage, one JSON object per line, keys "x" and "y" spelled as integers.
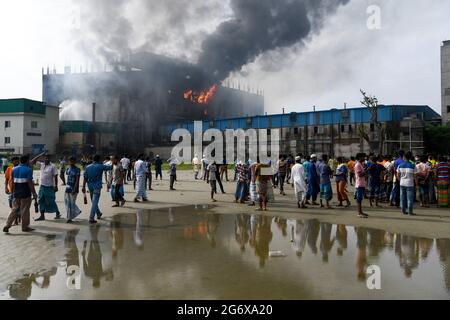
{"x": 437, "y": 139}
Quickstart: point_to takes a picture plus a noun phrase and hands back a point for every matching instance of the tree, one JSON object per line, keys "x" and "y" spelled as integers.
{"x": 437, "y": 139}
{"x": 371, "y": 103}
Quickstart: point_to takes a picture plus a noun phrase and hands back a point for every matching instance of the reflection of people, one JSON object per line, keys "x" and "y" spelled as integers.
{"x": 298, "y": 236}
{"x": 212, "y": 226}
{"x": 361, "y": 254}
{"x": 21, "y": 288}
{"x": 407, "y": 250}
{"x": 263, "y": 239}
{"x": 326, "y": 244}
{"x": 92, "y": 263}
{"x": 313, "y": 227}
{"x": 443, "y": 248}
{"x": 137, "y": 234}
{"x": 341, "y": 237}
{"x": 70, "y": 243}
{"x": 241, "y": 230}
{"x": 116, "y": 236}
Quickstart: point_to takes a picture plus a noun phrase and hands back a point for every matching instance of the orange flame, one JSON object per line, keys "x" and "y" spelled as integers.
{"x": 202, "y": 97}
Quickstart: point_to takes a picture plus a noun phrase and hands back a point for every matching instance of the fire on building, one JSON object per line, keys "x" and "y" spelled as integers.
{"x": 143, "y": 94}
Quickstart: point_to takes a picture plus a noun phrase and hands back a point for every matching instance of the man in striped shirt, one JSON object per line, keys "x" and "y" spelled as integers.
{"x": 406, "y": 173}
{"x": 22, "y": 187}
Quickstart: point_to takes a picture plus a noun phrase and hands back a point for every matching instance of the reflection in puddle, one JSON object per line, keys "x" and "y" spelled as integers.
{"x": 190, "y": 253}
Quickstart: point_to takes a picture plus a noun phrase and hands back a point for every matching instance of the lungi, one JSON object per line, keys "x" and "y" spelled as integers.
{"x": 71, "y": 207}
{"x": 443, "y": 193}
{"x": 47, "y": 200}
{"x": 141, "y": 191}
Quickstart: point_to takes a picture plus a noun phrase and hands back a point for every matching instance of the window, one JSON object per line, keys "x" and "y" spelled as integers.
{"x": 32, "y": 134}
{"x": 342, "y": 128}
{"x": 448, "y": 109}
{"x": 296, "y": 131}
{"x": 447, "y": 91}
{"x": 372, "y": 127}
{"x": 7, "y": 124}
{"x": 7, "y": 140}
{"x": 316, "y": 130}
{"x": 34, "y": 124}
{"x": 350, "y": 128}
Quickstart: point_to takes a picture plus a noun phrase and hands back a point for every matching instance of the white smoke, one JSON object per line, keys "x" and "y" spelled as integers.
{"x": 75, "y": 110}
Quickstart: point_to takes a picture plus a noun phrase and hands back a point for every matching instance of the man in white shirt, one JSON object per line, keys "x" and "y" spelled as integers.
{"x": 48, "y": 187}
{"x": 140, "y": 171}
{"x": 298, "y": 176}
{"x": 125, "y": 162}
{"x": 195, "y": 164}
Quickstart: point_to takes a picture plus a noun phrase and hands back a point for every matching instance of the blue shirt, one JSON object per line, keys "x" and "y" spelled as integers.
{"x": 72, "y": 174}
{"x": 158, "y": 164}
{"x": 94, "y": 175}
{"x": 375, "y": 171}
{"x": 21, "y": 175}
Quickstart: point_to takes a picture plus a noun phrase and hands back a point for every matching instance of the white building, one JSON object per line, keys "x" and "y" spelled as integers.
{"x": 445, "y": 78}
{"x": 28, "y": 127}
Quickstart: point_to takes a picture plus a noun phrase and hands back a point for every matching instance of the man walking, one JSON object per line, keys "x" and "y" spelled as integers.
{"x": 72, "y": 190}
{"x": 22, "y": 188}
{"x": 172, "y": 174}
{"x": 325, "y": 172}
{"x": 140, "y": 172}
{"x": 118, "y": 179}
{"x": 299, "y": 179}
{"x": 125, "y": 162}
{"x": 93, "y": 177}
{"x": 195, "y": 165}
{"x": 313, "y": 181}
{"x": 48, "y": 188}
{"x": 360, "y": 183}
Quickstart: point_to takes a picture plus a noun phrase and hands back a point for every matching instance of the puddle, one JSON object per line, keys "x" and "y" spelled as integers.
{"x": 190, "y": 253}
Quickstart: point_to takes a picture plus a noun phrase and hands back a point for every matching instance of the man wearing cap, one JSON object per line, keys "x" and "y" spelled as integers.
{"x": 299, "y": 179}
{"x": 158, "y": 167}
{"x": 313, "y": 181}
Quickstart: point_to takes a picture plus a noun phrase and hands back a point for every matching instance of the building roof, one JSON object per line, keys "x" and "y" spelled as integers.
{"x": 22, "y": 106}
{"x": 324, "y": 117}
{"x": 86, "y": 127}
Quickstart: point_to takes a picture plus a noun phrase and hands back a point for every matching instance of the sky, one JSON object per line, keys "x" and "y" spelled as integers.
{"x": 399, "y": 63}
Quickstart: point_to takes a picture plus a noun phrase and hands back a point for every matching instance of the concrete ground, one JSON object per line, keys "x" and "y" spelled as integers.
{"x": 28, "y": 253}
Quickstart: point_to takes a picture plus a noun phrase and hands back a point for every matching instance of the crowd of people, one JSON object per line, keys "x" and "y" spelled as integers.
{"x": 399, "y": 181}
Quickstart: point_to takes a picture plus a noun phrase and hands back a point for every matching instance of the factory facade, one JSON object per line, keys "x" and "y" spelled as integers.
{"x": 334, "y": 132}
{"x": 28, "y": 127}
{"x": 445, "y": 80}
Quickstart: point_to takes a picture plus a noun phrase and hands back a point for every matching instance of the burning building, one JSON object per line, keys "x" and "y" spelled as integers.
{"x": 143, "y": 94}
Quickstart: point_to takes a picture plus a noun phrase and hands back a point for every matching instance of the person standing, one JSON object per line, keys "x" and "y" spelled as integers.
{"x": 341, "y": 182}
{"x": 212, "y": 179}
{"x": 299, "y": 180}
{"x": 389, "y": 177}
{"x": 172, "y": 174}
{"x": 422, "y": 181}
{"x": 360, "y": 183}
{"x": 282, "y": 167}
{"x": 241, "y": 185}
{"x": 205, "y": 171}
{"x": 15, "y": 161}
{"x": 219, "y": 179}
{"x": 443, "y": 182}
{"x": 158, "y": 167}
{"x": 62, "y": 170}
{"x": 406, "y": 175}
{"x": 72, "y": 189}
{"x": 195, "y": 165}
{"x": 375, "y": 171}
{"x": 149, "y": 180}
{"x": 262, "y": 184}
{"x": 351, "y": 170}
{"x": 48, "y": 188}
{"x": 325, "y": 172}
{"x": 118, "y": 179}
{"x": 395, "y": 195}
{"x": 93, "y": 177}
{"x": 224, "y": 170}
{"x": 313, "y": 181}
{"x": 140, "y": 172}
{"x": 22, "y": 188}
{"x": 125, "y": 162}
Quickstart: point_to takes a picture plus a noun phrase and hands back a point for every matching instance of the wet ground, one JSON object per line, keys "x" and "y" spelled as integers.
{"x": 193, "y": 253}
